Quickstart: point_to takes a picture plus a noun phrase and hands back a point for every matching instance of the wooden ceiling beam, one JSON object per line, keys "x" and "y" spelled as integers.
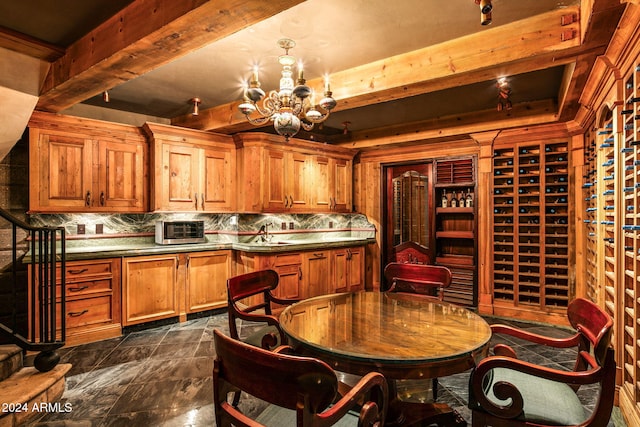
{"x": 524, "y": 114}
{"x": 22, "y": 43}
{"x": 536, "y": 43}
{"x": 143, "y": 36}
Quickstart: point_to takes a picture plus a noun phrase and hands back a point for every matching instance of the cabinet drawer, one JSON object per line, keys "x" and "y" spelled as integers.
{"x": 286, "y": 259}
{"x": 89, "y": 287}
{"x": 74, "y": 270}
{"x": 89, "y": 311}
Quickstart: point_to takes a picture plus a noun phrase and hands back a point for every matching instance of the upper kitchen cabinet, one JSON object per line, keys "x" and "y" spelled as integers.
{"x": 295, "y": 176}
{"x": 82, "y": 165}
{"x": 192, "y": 170}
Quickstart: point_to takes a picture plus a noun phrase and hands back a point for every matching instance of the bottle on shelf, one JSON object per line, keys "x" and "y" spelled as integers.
{"x": 444, "y": 201}
{"x": 462, "y": 200}
{"x": 469, "y": 199}
{"x": 454, "y": 200}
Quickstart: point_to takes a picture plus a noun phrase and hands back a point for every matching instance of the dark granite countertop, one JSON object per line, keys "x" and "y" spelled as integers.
{"x": 128, "y": 247}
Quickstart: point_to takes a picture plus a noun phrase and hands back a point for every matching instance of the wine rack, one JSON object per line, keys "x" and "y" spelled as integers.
{"x": 531, "y": 226}
{"x": 589, "y": 192}
{"x": 455, "y": 226}
{"x": 629, "y": 202}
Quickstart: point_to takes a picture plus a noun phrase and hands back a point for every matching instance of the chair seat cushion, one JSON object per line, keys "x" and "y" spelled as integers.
{"x": 546, "y": 402}
{"x": 276, "y": 416}
{"x": 255, "y": 338}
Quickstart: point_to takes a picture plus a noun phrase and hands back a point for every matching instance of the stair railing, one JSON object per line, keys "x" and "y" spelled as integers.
{"x": 46, "y": 302}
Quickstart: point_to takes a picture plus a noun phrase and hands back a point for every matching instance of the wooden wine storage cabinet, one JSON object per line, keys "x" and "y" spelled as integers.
{"x": 531, "y": 254}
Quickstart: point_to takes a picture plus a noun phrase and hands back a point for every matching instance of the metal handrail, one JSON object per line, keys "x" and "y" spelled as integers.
{"x": 46, "y": 330}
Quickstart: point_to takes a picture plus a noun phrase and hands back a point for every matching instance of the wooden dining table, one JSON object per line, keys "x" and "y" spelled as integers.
{"x": 402, "y": 336}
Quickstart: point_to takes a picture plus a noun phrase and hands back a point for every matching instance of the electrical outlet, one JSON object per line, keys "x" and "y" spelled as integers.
{"x": 291, "y": 225}
{"x": 81, "y": 229}
{"x": 99, "y": 228}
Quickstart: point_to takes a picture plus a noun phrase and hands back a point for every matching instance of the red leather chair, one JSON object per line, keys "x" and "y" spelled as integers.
{"x": 421, "y": 279}
{"x": 505, "y": 391}
{"x": 412, "y": 253}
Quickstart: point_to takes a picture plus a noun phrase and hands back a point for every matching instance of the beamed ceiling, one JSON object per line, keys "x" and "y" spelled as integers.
{"x": 422, "y": 68}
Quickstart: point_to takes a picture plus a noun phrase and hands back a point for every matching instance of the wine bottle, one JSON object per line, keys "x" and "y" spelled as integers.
{"x": 444, "y": 202}
{"x": 454, "y": 200}
{"x": 462, "y": 201}
{"x": 469, "y": 199}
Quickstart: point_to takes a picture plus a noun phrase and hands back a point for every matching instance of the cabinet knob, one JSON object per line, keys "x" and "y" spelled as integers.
{"x": 87, "y": 199}
{"x": 102, "y": 198}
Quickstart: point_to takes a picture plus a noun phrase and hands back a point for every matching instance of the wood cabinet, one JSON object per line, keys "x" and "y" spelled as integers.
{"x": 347, "y": 268}
{"x": 192, "y": 170}
{"x": 82, "y": 165}
{"x": 92, "y": 292}
{"x": 455, "y": 226}
{"x": 206, "y": 280}
{"x": 150, "y": 288}
{"x": 174, "y": 285}
{"x": 287, "y": 181}
{"x": 307, "y": 274}
{"x": 299, "y": 176}
{"x": 316, "y": 279}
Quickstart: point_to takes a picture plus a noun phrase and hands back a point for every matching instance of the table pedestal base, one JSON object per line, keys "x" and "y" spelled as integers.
{"x": 423, "y": 415}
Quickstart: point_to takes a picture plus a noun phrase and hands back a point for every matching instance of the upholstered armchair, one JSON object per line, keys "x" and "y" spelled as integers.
{"x": 505, "y": 391}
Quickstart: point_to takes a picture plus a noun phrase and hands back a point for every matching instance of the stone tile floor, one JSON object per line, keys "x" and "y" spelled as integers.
{"x": 162, "y": 377}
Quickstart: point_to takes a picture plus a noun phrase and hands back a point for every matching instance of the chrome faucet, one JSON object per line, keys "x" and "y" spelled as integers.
{"x": 264, "y": 233}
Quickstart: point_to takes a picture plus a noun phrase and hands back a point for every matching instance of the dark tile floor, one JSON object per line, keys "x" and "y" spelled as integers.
{"x": 162, "y": 377}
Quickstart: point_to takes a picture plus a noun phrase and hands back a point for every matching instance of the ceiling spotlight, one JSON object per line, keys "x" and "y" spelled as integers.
{"x": 485, "y": 11}
{"x": 196, "y": 102}
{"x": 345, "y": 128}
{"x": 504, "y": 94}
{"x": 105, "y": 96}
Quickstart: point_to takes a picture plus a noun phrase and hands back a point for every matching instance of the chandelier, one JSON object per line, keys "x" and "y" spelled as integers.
{"x": 290, "y": 107}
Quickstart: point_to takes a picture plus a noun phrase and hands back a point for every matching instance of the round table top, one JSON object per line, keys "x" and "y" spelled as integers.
{"x": 386, "y": 329}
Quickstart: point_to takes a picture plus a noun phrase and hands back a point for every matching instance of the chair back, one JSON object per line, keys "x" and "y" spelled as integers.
{"x": 257, "y": 284}
{"x": 594, "y": 325}
{"x": 417, "y": 278}
{"x": 279, "y": 379}
{"x": 412, "y": 253}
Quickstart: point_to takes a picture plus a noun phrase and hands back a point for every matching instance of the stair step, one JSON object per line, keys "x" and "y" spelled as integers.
{"x": 33, "y": 393}
{"x": 10, "y": 360}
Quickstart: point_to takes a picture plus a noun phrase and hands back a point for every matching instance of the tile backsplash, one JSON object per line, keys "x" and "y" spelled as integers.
{"x": 120, "y": 225}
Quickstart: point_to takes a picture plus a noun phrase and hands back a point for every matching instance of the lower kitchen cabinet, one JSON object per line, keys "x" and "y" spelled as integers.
{"x": 92, "y": 292}
{"x": 174, "y": 285}
{"x": 150, "y": 289}
{"x": 306, "y": 274}
{"x": 206, "y": 285}
{"x": 347, "y": 269}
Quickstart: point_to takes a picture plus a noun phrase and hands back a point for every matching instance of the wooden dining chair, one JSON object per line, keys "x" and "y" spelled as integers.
{"x": 505, "y": 391}
{"x": 300, "y": 391}
{"x": 421, "y": 279}
{"x": 412, "y": 253}
{"x": 426, "y": 280}
{"x": 250, "y": 297}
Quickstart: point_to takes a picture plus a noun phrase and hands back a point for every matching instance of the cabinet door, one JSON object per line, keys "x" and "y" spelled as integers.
{"x": 207, "y": 274}
{"x": 61, "y": 171}
{"x": 355, "y": 271}
{"x": 347, "y": 269}
{"x": 322, "y": 197}
{"x": 297, "y": 182}
{"x": 149, "y": 288}
{"x": 340, "y": 185}
{"x": 289, "y": 284}
{"x": 180, "y": 178}
{"x": 275, "y": 196}
{"x": 216, "y": 188}
{"x": 316, "y": 273}
{"x": 121, "y": 182}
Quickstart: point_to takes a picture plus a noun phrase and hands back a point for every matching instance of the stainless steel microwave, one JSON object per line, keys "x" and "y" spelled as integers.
{"x": 179, "y": 232}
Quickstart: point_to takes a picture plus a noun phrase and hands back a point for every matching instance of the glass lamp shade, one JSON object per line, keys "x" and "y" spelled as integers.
{"x": 328, "y": 103}
{"x": 246, "y": 108}
{"x": 286, "y": 124}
